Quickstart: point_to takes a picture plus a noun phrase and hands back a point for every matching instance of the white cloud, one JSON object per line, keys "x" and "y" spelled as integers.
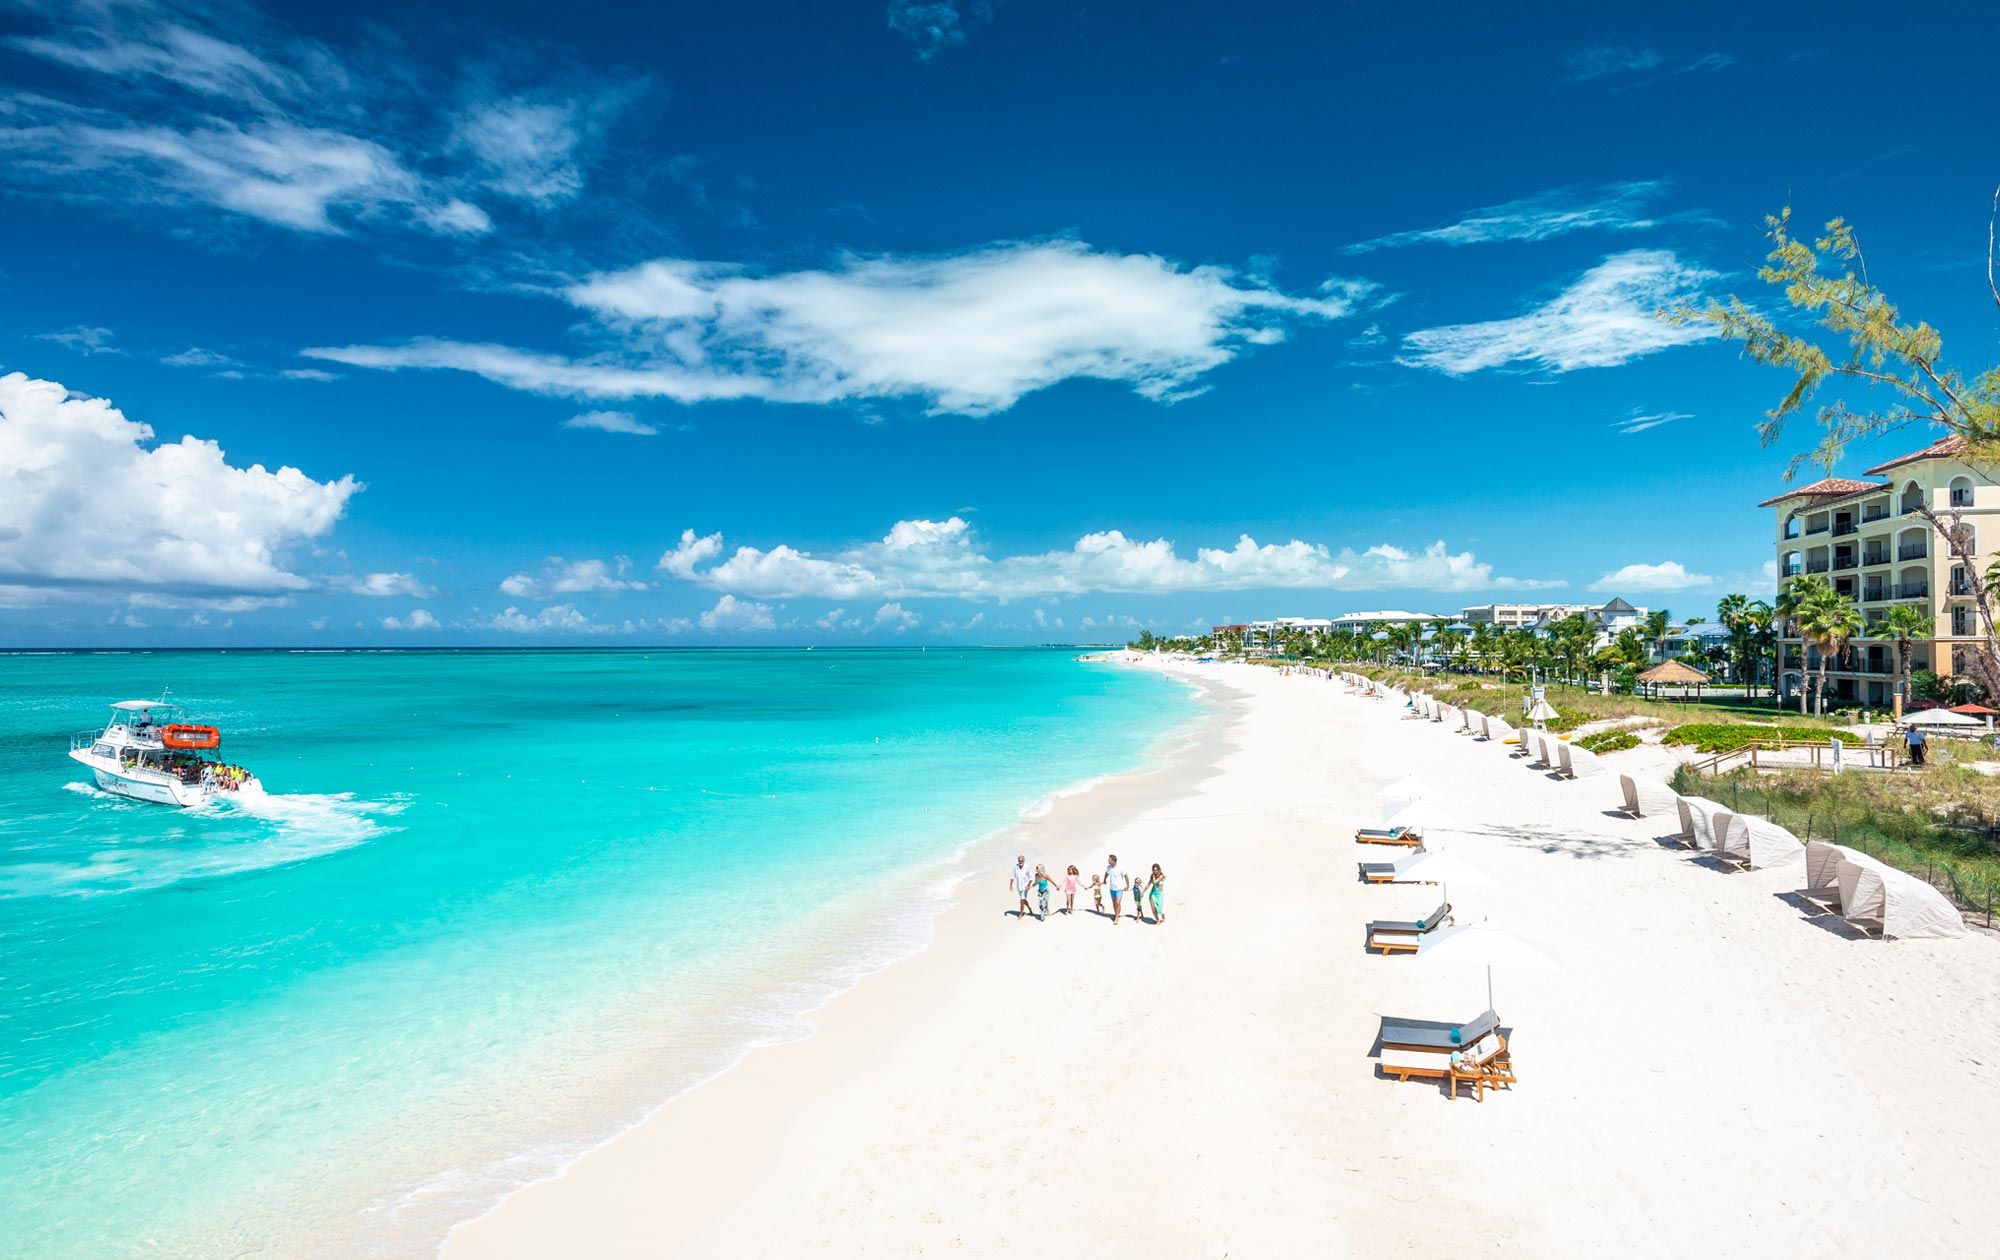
{"x": 943, "y": 559}
{"x": 1639, "y": 64}
{"x": 420, "y": 619}
{"x": 731, "y": 613}
{"x": 1556, "y": 212}
{"x": 611, "y": 422}
{"x": 555, "y": 619}
{"x": 1607, "y": 317}
{"x": 830, "y": 620}
{"x": 970, "y": 332}
{"x": 84, "y": 339}
{"x": 934, "y": 25}
{"x": 527, "y": 148}
{"x": 573, "y": 577}
{"x": 387, "y": 584}
{"x": 1641, "y": 420}
{"x": 896, "y": 617}
{"x": 1668, "y": 575}
{"x": 187, "y": 524}
{"x": 196, "y": 357}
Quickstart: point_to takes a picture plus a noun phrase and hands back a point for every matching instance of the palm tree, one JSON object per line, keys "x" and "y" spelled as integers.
{"x": 1833, "y": 622}
{"x": 1729, "y": 614}
{"x": 1798, "y": 600}
{"x": 1905, "y": 624}
{"x": 1760, "y": 639}
{"x": 1659, "y": 623}
{"x": 1482, "y": 643}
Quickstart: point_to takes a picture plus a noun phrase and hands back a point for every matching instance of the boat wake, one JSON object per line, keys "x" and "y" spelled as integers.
{"x": 278, "y": 829}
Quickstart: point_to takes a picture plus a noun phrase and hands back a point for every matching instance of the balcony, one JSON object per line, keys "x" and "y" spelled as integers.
{"x": 1911, "y": 590}
{"x": 1845, "y": 528}
{"x": 1817, "y": 529}
{"x": 1960, "y": 585}
{"x": 1869, "y": 515}
{"x": 1912, "y": 551}
{"x": 1874, "y": 594}
{"x": 1871, "y": 558}
{"x": 1841, "y": 563}
{"x": 1961, "y": 498}
{"x": 1817, "y": 566}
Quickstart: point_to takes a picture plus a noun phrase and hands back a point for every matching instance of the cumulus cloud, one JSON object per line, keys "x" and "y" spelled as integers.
{"x": 611, "y": 422}
{"x": 968, "y": 333}
{"x": 895, "y": 617}
{"x": 1607, "y": 317}
{"x": 387, "y": 584}
{"x": 920, "y": 559}
{"x": 419, "y": 619}
{"x": 1556, "y": 212}
{"x": 573, "y": 577}
{"x": 90, "y": 502}
{"x": 1668, "y": 575}
{"x": 555, "y": 619}
{"x": 731, "y": 613}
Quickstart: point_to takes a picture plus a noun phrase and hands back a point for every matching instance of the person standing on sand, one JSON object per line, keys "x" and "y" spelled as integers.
{"x": 1069, "y": 891}
{"x": 1097, "y": 891}
{"x": 1116, "y": 882}
{"x": 1022, "y": 877}
{"x": 1915, "y": 738}
{"x": 1154, "y": 893}
{"x": 1042, "y": 886}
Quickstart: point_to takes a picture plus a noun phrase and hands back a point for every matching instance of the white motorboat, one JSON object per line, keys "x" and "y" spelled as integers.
{"x": 149, "y": 751}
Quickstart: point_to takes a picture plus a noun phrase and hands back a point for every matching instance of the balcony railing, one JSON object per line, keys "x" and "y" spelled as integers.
{"x": 1875, "y": 557}
{"x": 1912, "y": 551}
{"x": 1874, "y": 514}
{"x": 1911, "y": 590}
{"x": 1960, "y": 586}
{"x": 1817, "y": 566}
{"x": 1817, "y": 529}
{"x": 1846, "y": 562}
{"x": 1874, "y": 594}
{"x": 1844, "y": 528}
{"x": 1961, "y": 498}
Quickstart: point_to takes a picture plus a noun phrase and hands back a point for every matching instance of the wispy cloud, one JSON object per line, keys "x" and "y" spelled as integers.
{"x": 970, "y": 332}
{"x": 84, "y": 339}
{"x": 921, "y": 559}
{"x": 611, "y": 422}
{"x": 1666, "y": 576}
{"x": 1608, "y": 316}
{"x": 383, "y": 585}
{"x": 1555, "y": 212}
{"x": 935, "y": 25}
{"x": 173, "y": 107}
{"x": 1641, "y": 420}
{"x": 573, "y": 577}
{"x": 1637, "y": 63}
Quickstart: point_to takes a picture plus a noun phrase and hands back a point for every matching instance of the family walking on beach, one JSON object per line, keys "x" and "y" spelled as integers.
{"x": 1039, "y": 884}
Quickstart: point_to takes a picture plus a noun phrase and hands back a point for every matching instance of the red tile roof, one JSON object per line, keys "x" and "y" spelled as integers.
{"x": 1940, "y": 449}
{"x": 1827, "y": 488}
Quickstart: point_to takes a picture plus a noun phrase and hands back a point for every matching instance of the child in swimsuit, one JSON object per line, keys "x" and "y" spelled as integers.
{"x": 1069, "y": 891}
{"x": 1097, "y": 891}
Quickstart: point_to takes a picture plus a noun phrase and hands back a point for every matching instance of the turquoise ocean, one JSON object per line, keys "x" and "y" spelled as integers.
{"x": 491, "y": 908}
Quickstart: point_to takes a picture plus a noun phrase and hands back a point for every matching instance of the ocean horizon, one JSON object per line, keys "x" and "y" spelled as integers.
{"x": 491, "y": 908}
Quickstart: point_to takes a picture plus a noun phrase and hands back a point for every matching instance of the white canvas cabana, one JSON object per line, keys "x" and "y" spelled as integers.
{"x": 1580, "y": 762}
{"x": 1863, "y": 888}
{"x": 1697, "y": 820}
{"x": 1754, "y": 839}
{"x": 1565, "y": 759}
{"x": 1644, "y": 797}
{"x": 1499, "y": 731}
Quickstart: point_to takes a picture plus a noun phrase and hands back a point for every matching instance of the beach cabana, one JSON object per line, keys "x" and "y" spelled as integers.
{"x": 1697, "y": 820}
{"x": 1864, "y": 889}
{"x": 1673, "y": 673}
{"x": 1754, "y": 840}
{"x": 1644, "y": 797}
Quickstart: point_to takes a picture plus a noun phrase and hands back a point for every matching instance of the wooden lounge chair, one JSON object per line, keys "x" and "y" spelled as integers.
{"x": 1391, "y": 936}
{"x": 1379, "y": 872}
{"x": 1406, "y": 1035}
{"x": 1484, "y": 1063}
{"x": 1389, "y": 835}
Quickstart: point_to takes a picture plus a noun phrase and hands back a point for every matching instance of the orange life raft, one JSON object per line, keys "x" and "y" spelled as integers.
{"x": 184, "y": 735}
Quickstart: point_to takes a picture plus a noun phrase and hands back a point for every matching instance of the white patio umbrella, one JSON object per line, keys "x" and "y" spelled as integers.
{"x": 1426, "y": 816}
{"x": 1541, "y": 713}
{"x": 1407, "y": 788}
{"x": 1940, "y": 717}
{"x": 1441, "y": 867}
{"x": 1488, "y": 945}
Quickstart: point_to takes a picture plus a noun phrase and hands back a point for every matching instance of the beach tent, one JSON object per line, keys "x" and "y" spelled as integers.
{"x": 1757, "y": 840}
{"x": 1647, "y": 796}
{"x": 1940, "y": 717}
{"x": 1697, "y": 820}
{"x": 1673, "y": 673}
{"x": 1864, "y": 888}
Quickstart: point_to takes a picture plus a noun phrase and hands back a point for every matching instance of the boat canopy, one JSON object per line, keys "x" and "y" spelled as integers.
{"x": 133, "y": 705}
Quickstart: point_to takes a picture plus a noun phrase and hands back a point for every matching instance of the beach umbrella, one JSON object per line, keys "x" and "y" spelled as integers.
{"x": 1488, "y": 945}
{"x": 1407, "y": 788}
{"x": 1441, "y": 867}
{"x": 1939, "y": 717}
{"x": 1424, "y": 816}
{"x": 1541, "y": 713}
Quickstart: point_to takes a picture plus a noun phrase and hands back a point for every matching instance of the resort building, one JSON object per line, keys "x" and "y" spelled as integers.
{"x": 1871, "y": 543}
{"x": 1513, "y": 616}
{"x": 1363, "y": 620}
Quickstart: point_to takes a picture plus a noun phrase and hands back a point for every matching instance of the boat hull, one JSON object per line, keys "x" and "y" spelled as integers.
{"x": 156, "y": 790}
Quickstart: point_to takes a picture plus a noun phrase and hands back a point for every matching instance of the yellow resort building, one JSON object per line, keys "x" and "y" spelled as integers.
{"x": 1868, "y": 539}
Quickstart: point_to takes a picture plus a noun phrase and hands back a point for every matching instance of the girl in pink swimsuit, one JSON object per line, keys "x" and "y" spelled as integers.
{"x": 1069, "y": 891}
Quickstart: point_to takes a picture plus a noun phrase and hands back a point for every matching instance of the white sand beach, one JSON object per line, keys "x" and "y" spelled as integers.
{"x": 1712, "y": 1074}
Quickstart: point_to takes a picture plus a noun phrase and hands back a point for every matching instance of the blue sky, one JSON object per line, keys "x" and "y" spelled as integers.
{"x": 951, "y": 322}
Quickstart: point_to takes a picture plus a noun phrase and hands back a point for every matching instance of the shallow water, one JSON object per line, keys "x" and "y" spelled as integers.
{"x": 490, "y": 907}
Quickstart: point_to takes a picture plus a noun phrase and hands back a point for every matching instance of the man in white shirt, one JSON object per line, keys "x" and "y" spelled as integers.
{"x": 1116, "y": 882}
{"x": 1023, "y": 879}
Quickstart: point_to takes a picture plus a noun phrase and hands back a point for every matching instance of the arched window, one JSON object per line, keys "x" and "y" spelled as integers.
{"x": 1792, "y": 525}
{"x": 1913, "y": 497}
{"x": 1961, "y": 492}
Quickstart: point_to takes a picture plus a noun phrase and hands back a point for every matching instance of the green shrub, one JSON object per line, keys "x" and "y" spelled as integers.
{"x": 1716, "y": 737}
{"x": 1608, "y": 741}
